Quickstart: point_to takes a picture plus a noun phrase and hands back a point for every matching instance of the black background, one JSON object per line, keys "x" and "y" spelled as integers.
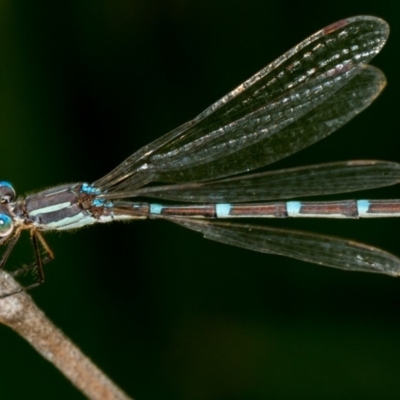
{"x": 164, "y": 312}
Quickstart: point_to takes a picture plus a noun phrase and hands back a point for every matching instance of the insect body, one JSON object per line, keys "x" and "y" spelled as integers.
{"x": 298, "y": 99}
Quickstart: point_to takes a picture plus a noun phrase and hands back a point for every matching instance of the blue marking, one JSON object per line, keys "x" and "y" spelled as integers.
{"x": 293, "y": 207}
{"x": 102, "y": 203}
{"x": 156, "y": 209}
{"x": 363, "y": 206}
{"x": 6, "y": 225}
{"x": 223, "y": 210}
{"x": 89, "y": 189}
{"x": 7, "y": 184}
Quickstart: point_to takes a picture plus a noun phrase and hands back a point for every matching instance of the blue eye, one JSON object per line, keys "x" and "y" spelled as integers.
{"x": 6, "y": 225}
{"x": 5, "y": 183}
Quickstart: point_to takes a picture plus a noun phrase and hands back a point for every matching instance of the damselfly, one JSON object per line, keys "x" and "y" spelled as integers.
{"x": 298, "y": 99}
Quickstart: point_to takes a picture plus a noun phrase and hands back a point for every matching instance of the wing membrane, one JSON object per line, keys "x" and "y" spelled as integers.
{"x": 247, "y": 128}
{"x": 314, "y": 180}
{"x": 314, "y": 248}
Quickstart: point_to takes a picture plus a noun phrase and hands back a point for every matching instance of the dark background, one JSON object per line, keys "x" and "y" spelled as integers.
{"x": 164, "y": 312}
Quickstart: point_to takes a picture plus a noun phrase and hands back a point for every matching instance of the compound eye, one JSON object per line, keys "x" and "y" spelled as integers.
{"x": 7, "y": 192}
{"x": 6, "y": 225}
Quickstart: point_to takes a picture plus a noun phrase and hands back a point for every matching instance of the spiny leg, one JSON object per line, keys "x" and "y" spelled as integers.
{"x": 9, "y": 248}
{"x": 36, "y": 266}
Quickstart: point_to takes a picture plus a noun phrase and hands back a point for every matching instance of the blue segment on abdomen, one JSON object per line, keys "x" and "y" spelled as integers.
{"x": 293, "y": 208}
{"x": 156, "y": 209}
{"x": 223, "y": 210}
{"x": 363, "y": 207}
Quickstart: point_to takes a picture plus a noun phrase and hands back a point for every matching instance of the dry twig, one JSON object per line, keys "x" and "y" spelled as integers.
{"x": 20, "y": 313}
